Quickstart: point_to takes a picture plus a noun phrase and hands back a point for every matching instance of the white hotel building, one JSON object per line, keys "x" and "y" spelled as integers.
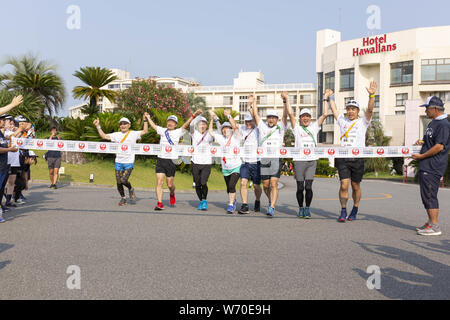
{"x": 408, "y": 66}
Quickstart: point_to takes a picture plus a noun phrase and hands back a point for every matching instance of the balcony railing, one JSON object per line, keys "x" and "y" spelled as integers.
{"x": 288, "y": 86}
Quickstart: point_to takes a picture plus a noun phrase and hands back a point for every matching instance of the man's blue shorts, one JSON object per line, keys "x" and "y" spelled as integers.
{"x": 251, "y": 171}
{"x": 123, "y": 166}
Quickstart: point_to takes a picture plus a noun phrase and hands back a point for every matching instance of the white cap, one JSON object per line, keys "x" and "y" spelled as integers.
{"x": 31, "y": 153}
{"x": 124, "y": 120}
{"x": 305, "y": 111}
{"x": 203, "y": 119}
{"x": 248, "y": 117}
{"x": 352, "y": 103}
{"x": 173, "y": 118}
{"x": 272, "y": 113}
{"x": 225, "y": 124}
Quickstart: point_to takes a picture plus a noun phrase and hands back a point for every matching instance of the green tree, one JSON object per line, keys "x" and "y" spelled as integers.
{"x": 375, "y": 137}
{"x": 30, "y": 108}
{"x": 220, "y": 114}
{"x": 95, "y": 78}
{"x": 39, "y": 77}
{"x": 197, "y": 102}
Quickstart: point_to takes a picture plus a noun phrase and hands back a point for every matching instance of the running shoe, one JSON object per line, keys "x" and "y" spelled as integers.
{"x": 230, "y": 209}
{"x": 270, "y": 212}
{"x": 200, "y": 206}
{"x": 423, "y": 227}
{"x": 257, "y": 206}
{"x": 205, "y": 205}
{"x": 307, "y": 214}
{"x": 430, "y": 231}
{"x": 54, "y": 187}
{"x": 10, "y": 204}
{"x": 132, "y": 194}
{"x": 50, "y": 186}
{"x": 343, "y": 215}
{"x": 353, "y": 214}
{"x": 4, "y": 209}
{"x": 244, "y": 209}
{"x": 20, "y": 201}
{"x": 122, "y": 202}
{"x": 172, "y": 199}
{"x": 22, "y": 197}
{"x": 301, "y": 212}
{"x": 159, "y": 206}
{"x": 2, "y": 220}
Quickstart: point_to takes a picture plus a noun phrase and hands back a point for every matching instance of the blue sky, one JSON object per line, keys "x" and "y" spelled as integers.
{"x": 210, "y": 41}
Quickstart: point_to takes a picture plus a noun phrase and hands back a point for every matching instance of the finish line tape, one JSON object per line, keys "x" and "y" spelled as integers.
{"x": 215, "y": 151}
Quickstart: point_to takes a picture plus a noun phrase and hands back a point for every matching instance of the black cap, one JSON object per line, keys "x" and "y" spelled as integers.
{"x": 433, "y": 102}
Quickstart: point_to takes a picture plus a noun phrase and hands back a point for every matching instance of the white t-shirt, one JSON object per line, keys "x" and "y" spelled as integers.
{"x": 276, "y": 139}
{"x": 197, "y": 142}
{"x": 117, "y": 137}
{"x": 175, "y": 136}
{"x": 230, "y": 162}
{"x": 13, "y": 157}
{"x": 250, "y": 138}
{"x": 304, "y": 140}
{"x": 357, "y": 135}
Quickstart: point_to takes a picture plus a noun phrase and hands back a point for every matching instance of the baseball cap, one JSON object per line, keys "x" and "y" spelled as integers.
{"x": 225, "y": 124}
{"x": 433, "y": 101}
{"x": 352, "y": 103}
{"x": 248, "y": 117}
{"x": 124, "y": 120}
{"x": 31, "y": 153}
{"x": 305, "y": 111}
{"x": 203, "y": 119}
{"x": 173, "y": 118}
{"x": 20, "y": 119}
{"x": 272, "y": 113}
{"x": 3, "y": 116}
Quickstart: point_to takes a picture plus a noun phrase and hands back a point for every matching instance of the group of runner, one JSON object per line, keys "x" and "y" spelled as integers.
{"x": 254, "y": 133}
{"x": 14, "y": 163}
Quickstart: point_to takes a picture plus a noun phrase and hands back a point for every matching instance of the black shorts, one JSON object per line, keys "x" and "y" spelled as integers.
{"x": 429, "y": 188}
{"x": 13, "y": 170}
{"x": 201, "y": 173}
{"x": 166, "y": 166}
{"x": 350, "y": 169}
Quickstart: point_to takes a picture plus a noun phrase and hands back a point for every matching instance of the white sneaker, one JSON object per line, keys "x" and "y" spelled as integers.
{"x": 20, "y": 201}
{"x": 430, "y": 231}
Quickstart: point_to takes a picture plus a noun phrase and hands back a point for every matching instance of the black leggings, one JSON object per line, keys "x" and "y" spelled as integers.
{"x": 231, "y": 182}
{"x": 122, "y": 180}
{"x": 201, "y": 173}
{"x": 302, "y": 186}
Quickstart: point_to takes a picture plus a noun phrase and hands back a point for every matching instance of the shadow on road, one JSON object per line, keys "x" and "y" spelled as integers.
{"x": 3, "y": 248}
{"x": 398, "y": 284}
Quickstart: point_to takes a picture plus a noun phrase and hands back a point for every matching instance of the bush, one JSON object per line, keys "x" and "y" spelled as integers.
{"x": 324, "y": 169}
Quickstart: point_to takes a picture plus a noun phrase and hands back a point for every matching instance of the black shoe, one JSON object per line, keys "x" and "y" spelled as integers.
{"x": 244, "y": 209}
{"x": 10, "y": 204}
{"x": 257, "y": 206}
{"x": 50, "y": 186}
{"x": 55, "y": 187}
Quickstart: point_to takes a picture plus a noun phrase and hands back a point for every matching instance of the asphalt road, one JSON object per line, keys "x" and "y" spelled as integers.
{"x": 133, "y": 252}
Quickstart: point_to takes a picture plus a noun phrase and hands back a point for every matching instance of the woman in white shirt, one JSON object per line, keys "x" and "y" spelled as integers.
{"x": 201, "y": 160}
{"x": 229, "y": 138}
{"x": 124, "y": 163}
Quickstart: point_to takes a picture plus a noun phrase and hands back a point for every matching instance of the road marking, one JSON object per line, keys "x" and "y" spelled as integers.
{"x": 384, "y": 197}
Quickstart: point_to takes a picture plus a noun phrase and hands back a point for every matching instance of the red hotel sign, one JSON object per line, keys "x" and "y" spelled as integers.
{"x": 374, "y": 45}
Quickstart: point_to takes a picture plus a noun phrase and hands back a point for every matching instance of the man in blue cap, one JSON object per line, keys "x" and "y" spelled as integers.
{"x": 433, "y": 160}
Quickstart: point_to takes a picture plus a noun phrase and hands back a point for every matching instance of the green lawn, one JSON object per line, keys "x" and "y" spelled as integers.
{"x": 143, "y": 174}
{"x": 384, "y": 175}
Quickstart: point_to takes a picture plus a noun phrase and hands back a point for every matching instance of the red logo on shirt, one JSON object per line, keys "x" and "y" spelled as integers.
{"x": 168, "y": 149}
{"x": 213, "y": 150}
{"x": 146, "y": 148}
{"x": 124, "y": 147}
{"x": 380, "y": 151}
{"x": 19, "y": 142}
{"x": 405, "y": 150}
{"x": 283, "y": 152}
{"x": 81, "y": 146}
{"x": 236, "y": 151}
{"x": 103, "y": 147}
{"x": 40, "y": 143}
{"x": 331, "y": 152}
{"x": 191, "y": 150}
{"x": 307, "y": 151}
{"x": 61, "y": 144}
{"x": 355, "y": 152}
{"x": 260, "y": 151}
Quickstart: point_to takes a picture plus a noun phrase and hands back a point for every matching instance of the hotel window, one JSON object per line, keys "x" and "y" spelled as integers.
{"x": 126, "y": 85}
{"x": 401, "y": 99}
{"x": 114, "y": 86}
{"x": 305, "y": 99}
{"x": 436, "y": 70}
{"x": 261, "y": 100}
{"x": 329, "y": 119}
{"x": 293, "y": 99}
{"x": 228, "y": 100}
{"x": 376, "y": 116}
{"x": 377, "y": 102}
{"x": 443, "y": 95}
{"x": 347, "y": 79}
{"x": 347, "y": 100}
{"x": 243, "y": 106}
{"x": 402, "y": 72}
{"x": 399, "y": 113}
{"x": 329, "y": 80}
{"x": 262, "y": 112}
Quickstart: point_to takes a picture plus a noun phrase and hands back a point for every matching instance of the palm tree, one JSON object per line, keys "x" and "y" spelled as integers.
{"x": 38, "y": 77}
{"x": 197, "y": 102}
{"x": 95, "y": 78}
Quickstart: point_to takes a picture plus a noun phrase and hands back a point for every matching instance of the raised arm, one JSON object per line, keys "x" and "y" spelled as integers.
{"x": 233, "y": 123}
{"x": 333, "y": 105}
{"x": 287, "y": 110}
{"x": 146, "y": 120}
{"x": 324, "y": 115}
{"x": 253, "y": 108}
{"x": 151, "y": 123}
{"x": 211, "y": 124}
{"x": 100, "y": 131}
{"x": 188, "y": 122}
{"x": 14, "y": 103}
{"x": 371, "y": 90}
